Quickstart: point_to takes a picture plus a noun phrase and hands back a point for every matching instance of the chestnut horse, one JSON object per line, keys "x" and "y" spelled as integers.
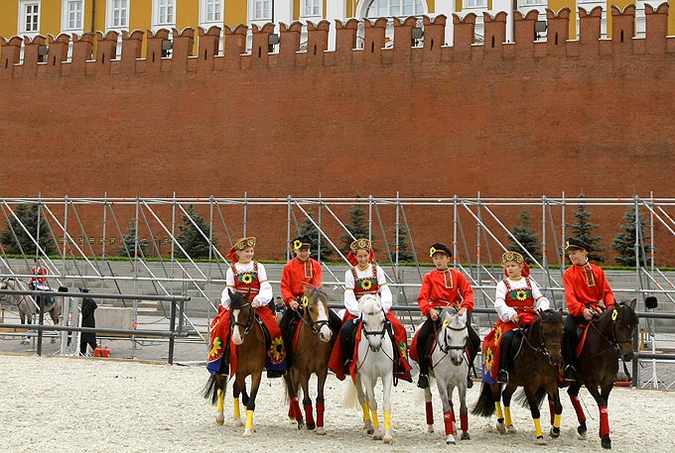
{"x": 608, "y": 338}
{"x": 536, "y": 369}
{"x": 251, "y": 349}
{"x": 312, "y": 352}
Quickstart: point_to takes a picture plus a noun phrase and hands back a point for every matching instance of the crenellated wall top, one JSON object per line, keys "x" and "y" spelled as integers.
{"x": 97, "y": 53}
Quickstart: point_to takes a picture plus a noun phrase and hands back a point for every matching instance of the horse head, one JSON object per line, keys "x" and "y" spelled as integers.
{"x": 373, "y": 320}
{"x": 623, "y": 321}
{"x": 453, "y": 335}
{"x": 241, "y": 316}
{"x": 551, "y": 332}
{"x": 315, "y": 313}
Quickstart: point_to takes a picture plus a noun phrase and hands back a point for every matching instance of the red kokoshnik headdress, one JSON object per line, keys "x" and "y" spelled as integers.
{"x": 360, "y": 244}
{"x": 241, "y": 244}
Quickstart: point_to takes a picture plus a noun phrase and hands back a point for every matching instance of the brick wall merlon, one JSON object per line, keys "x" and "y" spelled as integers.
{"x": 464, "y": 36}
{"x": 657, "y": 25}
{"x": 495, "y": 32}
{"x": 558, "y": 31}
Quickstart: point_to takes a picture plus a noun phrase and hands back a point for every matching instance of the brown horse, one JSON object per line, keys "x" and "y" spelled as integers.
{"x": 535, "y": 368}
{"x": 247, "y": 335}
{"x": 27, "y": 305}
{"x": 311, "y": 357}
{"x": 608, "y": 338}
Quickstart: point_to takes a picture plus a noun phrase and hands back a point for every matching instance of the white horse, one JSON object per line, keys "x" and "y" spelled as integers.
{"x": 449, "y": 365}
{"x": 375, "y": 359}
{"x": 27, "y": 306}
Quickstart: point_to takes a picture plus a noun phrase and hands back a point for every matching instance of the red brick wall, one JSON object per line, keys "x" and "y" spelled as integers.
{"x": 513, "y": 120}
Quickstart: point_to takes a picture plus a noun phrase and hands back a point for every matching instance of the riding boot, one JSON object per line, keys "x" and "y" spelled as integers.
{"x": 423, "y": 353}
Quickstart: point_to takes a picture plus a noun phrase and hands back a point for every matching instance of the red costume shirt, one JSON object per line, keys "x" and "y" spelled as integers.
{"x": 297, "y": 275}
{"x": 585, "y": 286}
{"x": 445, "y": 288}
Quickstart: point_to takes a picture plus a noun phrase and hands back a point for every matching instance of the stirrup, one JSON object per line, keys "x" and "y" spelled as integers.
{"x": 570, "y": 373}
{"x": 503, "y": 377}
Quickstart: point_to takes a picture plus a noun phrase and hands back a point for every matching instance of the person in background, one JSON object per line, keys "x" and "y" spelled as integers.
{"x": 442, "y": 287}
{"x": 587, "y": 294}
{"x": 89, "y": 306}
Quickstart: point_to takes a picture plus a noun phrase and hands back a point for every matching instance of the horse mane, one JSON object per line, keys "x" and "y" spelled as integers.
{"x": 315, "y": 292}
{"x": 368, "y": 301}
{"x": 550, "y": 315}
{"x": 237, "y": 300}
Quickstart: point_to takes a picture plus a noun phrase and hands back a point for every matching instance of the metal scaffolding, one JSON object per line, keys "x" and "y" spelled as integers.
{"x": 133, "y": 246}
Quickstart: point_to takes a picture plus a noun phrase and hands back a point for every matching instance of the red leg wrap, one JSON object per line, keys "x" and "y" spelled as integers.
{"x": 294, "y": 411}
{"x": 464, "y": 421}
{"x": 319, "y": 414}
{"x": 430, "y": 413}
{"x": 309, "y": 414}
{"x": 578, "y": 409}
{"x": 449, "y": 420}
{"x": 604, "y": 421}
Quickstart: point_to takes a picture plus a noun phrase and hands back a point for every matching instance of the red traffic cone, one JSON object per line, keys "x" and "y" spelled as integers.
{"x": 106, "y": 352}
{"x": 97, "y": 351}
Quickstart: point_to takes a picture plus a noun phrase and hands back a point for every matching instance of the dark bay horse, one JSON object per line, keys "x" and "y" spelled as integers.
{"x": 27, "y": 305}
{"x": 608, "y": 339}
{"x": 251, "y": 350}
{"x": 535, "y": 367}
{"x": 311, "y": 356}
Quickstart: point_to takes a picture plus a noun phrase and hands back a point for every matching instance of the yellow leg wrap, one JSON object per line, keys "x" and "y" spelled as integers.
{"x": 221, "y": 397}
{"x": 556, "y": 420}
{"x": 373, "y": 415}
{"x": 537, "y": 427}
{"x": 507, "y": 416}
{"x": 237, "y": 414}
{"x": 366, "y": 411}
{"x": 387, "y": 420}
{"x": 249, "y": 419}
{"x": 498, "y": 408}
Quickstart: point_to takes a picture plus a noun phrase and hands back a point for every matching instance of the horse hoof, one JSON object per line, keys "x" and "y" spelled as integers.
{"x": 311, "y": 427}
{"x": 465, "y": 435}
{"x": 541, "y": 440}
{"x": 388, "y": 439}
{"x": 501, "y": 427}
{"x": 430, "y": 429}
{"x": 378, "y": 434}
{"x": 220, "y": 419}
{"x": 238, "y": 423}
{"x": 581, "y": 431}
{"x": 606, "y": 442}
{"x": 321, "y": 431}
{"x": 555, "y": 432}
{"x": 511, "y": 429}
{"x": 301, "y": 424}
{"x": 450, "y": 440}
{"x": 247, "y": 433}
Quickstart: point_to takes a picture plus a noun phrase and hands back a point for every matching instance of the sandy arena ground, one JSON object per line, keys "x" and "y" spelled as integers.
{"x": 54, "y": 404}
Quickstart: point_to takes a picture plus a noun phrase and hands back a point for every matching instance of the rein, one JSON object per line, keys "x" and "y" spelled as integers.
{"x": 314, "y": 326}
{"x": 613, "y": 341}
{"x": 445, "y": 347}
{"x": 544, "y": 346}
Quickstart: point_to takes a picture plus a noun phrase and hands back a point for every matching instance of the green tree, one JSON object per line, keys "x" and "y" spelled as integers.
{"x": 624, "y": 243}
{"x": 583, "y": 228}
{"x": 193, "y": 236}
{"x": 308, "y": 229}
{"x": 129, "y": 243}
{"x": 526, "y": 235}
{"x": 405, "y": 255}
{"x": 17, "y": 240}
{"x": 357, "y": 226}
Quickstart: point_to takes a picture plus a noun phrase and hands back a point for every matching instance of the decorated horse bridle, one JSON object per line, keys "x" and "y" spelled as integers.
{"x": 314, "y": 326}
{"x": 249, "y": 320}
{"x": 544, "y": 346}
{"x": 444, "y": 346}
{"x": 613, "y": 341}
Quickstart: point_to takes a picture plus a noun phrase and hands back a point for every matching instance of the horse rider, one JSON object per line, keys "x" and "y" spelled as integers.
{"x": 517, "y": 302}
{"x": 443, "y": 287}
{"x": 366, "y": 277}
{"x": 299, "y": 274}
{"x": 587, "y": 294}
{"x": 246, "y": 276}
{"x": 39, "y": 273}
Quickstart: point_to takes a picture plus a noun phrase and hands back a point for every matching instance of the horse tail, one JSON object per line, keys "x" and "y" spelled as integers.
{"x": 539, "y": 396}
{"x": 350, "y": 399}
{"x": 211, "y": 388}
{"x": 485, "y": 406}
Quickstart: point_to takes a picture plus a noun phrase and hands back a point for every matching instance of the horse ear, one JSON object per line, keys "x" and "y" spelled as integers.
{"x": 632, "y": 304}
